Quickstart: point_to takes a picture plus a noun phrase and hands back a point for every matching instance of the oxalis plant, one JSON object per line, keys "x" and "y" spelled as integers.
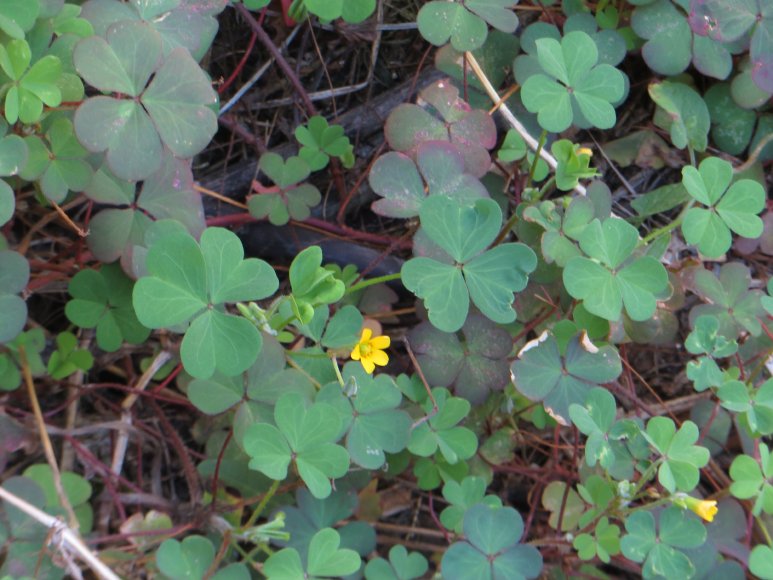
{"x": 567, "y": 373}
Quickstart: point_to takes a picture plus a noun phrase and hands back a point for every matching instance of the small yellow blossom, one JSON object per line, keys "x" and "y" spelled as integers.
{"x": 584, "y": 151}
{"x": 369, "y": 350}
{"x": 705, "y": 508}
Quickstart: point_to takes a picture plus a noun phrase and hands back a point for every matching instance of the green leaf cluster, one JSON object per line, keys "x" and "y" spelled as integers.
{"x": 491, "y": 547}
{"x": 304, "y": 435}
{"x": 321, "y": 141}
{"x": 465, "y": 23}
{"x": 560, "y": 379}
{"x": 190, "y": 283}
{"x": 681, "y": 457}
{"x": 102, "y": 299}
{"x": 487, "y": 277}
{"x": 572, "y": 84}
{"x": 610, "y": 277}
{"x": 728, "y": 207}
{"x": 659, "y": 544}
{"x": 290, "y": 199}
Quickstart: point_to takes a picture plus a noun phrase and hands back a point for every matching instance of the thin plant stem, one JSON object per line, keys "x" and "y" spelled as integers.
{"x": 372, "y": 282}
{"x": 337, "y": 370}
{"x": 545, "y": 188}
{"x": 509, "y": 224}
{"x": 667, "y": 228}
{"x": 262, "y": 505}
{"x": 537, "y": 154}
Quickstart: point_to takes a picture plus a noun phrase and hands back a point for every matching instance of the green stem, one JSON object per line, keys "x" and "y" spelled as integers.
{"x": 262, "y": 505}
{"x": 545, "y": 188}
{"x": 511, "y": 221}
{"x": 762, "y": 527}
{"x": 372, "y": 282}
{"x": 692, "y": 155}
{"x": 340, "y": 377}
{"x": 656, "y": 233}
{"x": 646, "y": 476}
{"x": 540, "y": 145}
{"x": 648, "y": 506}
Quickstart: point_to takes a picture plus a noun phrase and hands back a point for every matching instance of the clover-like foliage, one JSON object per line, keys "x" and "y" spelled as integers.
{"x": 728, "y": 207}
{"x": 687, "y": 116}
{"x": 731, "y": 20}
{"x": 753, "y": 479}
{"x": 189, "y": 24}
{"x": 491, "y": 547}
{"x": 572, "y": 80}
{"x": 562, "y": 228}
{"x": 442, "y": 431}
{"x": 126, "y": 222}
{"x": 371, "y": 417}
{"x": 442, "y": 115}
{"x": 610, "y": 278}
{"x": 402, "y": 565}
{"x": 103, "y": 300}
{"x": 595, "y": 418}
{"x": 60, "y": 164}
{"x": 489, "y": 278}
{"x": 321, "y": 141}
{"x": 18, "y": 17}
{"x": 30, "y": 87}
{"x": 394, "y": 176}
{"x": 659, "y": 545}
{"x": 289, "y": 198}
{"x": 325, "y": 558}
{"x": 34, "y": 342}
{"x": 732, "y": 126}
{"x": 13, "y": 159}
{"x": 682, "y": 458}
{"x": 351, "y": 11}
{"x": 609, "y": 42}
{"x": 192, "y": 558}
{"x": 165, "y": 104}
{"x": 311, "y": 514}
{"x": 560, "y": 379}
{"x": 754, "y": 405}
{"x": 461, "y": 496}
{"x": 305, "y": 435}
{"x": 705, "y": 339}
{"x": 604, "y": 542}
{"x": 472, "y": 360}
{"x": 258, "y": 388}
{"x": 188, "y": 282}
{"x": 464, "y": 22}
{"x": 671, "y": 46}
{"x": 14, "y": 275}
{"x": 67, "y": 358}
{"x": 729, "y": 299}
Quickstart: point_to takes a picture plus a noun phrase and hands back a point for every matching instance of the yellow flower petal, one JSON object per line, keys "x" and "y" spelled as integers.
{"x": 380, "y": 342}
{"x": 366, "y": 334}
{"x": 705, "y": 508}
{"x": 379, "y": 357}
{"x": 368, "y": 365}
{"x": 355, "y": 352}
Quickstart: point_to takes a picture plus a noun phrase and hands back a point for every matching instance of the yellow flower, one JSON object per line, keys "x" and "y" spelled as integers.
{"x": 705, "y": 508}
{"x": 370, "y": 351}
{"x": 585, "y": 151}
